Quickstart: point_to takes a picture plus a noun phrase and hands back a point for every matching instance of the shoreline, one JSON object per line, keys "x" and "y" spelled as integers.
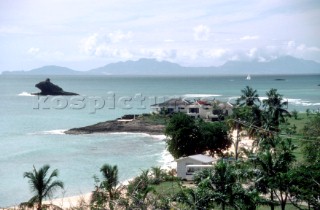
{"x": 135, "y": 124}
{"x": 166, "y": 162}
{"x": 83, "y": 199}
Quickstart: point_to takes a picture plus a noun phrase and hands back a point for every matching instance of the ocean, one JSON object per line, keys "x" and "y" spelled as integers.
{"x": 31, "y": 128}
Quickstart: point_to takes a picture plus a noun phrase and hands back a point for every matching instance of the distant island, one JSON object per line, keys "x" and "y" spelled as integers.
{"x": 281, "y": 65}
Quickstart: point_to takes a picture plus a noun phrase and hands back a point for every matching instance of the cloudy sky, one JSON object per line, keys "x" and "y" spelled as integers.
{"x": 84, "y": 34}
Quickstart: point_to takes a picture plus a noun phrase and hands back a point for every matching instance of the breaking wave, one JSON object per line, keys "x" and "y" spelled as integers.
{"x": 25, "y": 94}
{"x": 200, "y": 95}
{"x": 51, "y": 132}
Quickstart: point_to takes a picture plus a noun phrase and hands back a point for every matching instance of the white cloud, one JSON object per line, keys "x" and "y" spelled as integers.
{"x": 247, "y": 37}
{"x": 301, "y": 50}
{"x": 89, "y": 44}
{"x": 33, "y": 50}
{"x": 159, "y": 53}
{"x": 46, "y": 55}
{"x": 252, "y": 52}
{"x": 201, "y": 33}
{"x": 119, "y": 53}
{"x": 209, "y": 33}
{"x": 119, "y": 36}
{"x": 107, "y": 44}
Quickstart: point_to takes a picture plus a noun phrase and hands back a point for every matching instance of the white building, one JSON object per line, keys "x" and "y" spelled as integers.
{"x": 173, "y": 105}
{"x": 212, "y": 110}
{"x": 186, "y": 166}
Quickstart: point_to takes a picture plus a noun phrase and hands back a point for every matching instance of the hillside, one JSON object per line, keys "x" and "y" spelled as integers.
{"x": 282, "y": 65}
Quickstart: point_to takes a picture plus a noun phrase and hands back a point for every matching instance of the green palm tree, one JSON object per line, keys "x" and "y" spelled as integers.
{"x": 249, "y": 97}
{"x": 111, "y": 180}
{"x": 276, "y": 107}
{"x": 274, "y": 167}
{"x": 106, "y": 190}
{"x": 43, "y": 186}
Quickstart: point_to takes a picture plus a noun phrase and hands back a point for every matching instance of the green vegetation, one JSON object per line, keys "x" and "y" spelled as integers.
{"x": 41, "y": 185}
{"x": 157, "y": 119}
{"x": 282, "y": 171}
{"x": 107, "y": 189}
{"x": 270, "y": 170}
{"x": 188, "y": 136}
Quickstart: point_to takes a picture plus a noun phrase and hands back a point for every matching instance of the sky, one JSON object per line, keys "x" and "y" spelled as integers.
{"x": 86, "y": 34}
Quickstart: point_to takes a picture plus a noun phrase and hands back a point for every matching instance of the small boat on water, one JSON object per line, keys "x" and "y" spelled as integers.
{"x": 248, "y": 77}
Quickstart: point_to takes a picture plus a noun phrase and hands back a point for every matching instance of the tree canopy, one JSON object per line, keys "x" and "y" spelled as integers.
{"x": 188, "y": 136}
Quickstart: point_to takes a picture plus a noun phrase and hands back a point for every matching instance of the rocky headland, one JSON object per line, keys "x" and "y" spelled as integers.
{"x": 48, "y": 88}
{"x": 137, "y": 124}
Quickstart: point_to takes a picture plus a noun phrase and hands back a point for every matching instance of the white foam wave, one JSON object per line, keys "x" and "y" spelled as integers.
{"x": 261, "y": 98}
{"x": 51, "y": 132}
{"x": 25, "y": 94}
{"x": 158, "y": 137}
{"x": 301, "y": 102}
{"x": 232, "y": 99}
{"x": 200, "y": 95}
{"x": 167, "y": 161}
{"x": 292, "y": 101}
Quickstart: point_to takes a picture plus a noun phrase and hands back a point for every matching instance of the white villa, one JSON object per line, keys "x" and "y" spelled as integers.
{"x": 186, "y": 166}
{"x": 212, "y": 110}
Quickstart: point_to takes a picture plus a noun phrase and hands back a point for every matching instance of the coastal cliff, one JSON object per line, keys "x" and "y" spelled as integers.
{"x": 137, "y": 125}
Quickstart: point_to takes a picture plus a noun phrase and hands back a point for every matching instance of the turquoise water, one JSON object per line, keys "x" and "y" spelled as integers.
{"x": 31, "y": 131}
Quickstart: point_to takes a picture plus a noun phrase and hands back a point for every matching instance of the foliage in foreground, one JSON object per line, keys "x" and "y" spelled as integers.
{"x": 42, "y": 184}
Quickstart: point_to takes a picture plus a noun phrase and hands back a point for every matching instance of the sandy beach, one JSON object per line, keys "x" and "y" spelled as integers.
{"x": 167, "y": 163}
{"x": 83, "y": 200}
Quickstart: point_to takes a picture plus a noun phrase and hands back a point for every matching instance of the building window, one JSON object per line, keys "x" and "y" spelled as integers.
{"x": 217, "y": 112}
{"x": 193, "y": 110}
{"x": 170, "y": 110}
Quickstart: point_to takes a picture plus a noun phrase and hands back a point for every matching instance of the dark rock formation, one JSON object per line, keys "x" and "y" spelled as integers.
{"x": 133, "y": 126}
{"x": 48, "y": 88}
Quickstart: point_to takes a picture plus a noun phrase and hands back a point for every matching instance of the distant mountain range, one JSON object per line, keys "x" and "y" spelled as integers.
{"x": 282, "y": 65}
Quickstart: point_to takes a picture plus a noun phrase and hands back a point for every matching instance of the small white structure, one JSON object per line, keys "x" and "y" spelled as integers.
{"x": 186, "y": 166}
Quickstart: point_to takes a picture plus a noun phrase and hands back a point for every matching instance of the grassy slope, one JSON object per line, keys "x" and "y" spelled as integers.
{"x": 297, "y": 138}
{"x": 155, "y": 119}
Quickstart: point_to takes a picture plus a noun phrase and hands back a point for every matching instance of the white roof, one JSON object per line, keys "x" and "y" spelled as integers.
{"x": 200, "y": 158}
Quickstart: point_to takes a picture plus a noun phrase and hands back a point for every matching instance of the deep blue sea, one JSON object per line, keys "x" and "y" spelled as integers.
{"x": 31, "y": 128}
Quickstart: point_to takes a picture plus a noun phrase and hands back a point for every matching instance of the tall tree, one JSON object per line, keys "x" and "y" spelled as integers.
{"x": 107, "y": 190}
{"x": 111, "y": 180}
{"x": 305, "y": 186}
{"x": 311, "y": 143}
{"x": 249, "y": 97}
{"x": 274, "y": 167}
{"x": 222, "y": 185}
{"x": 275, "y": 108}
{"x": 42, "y": 184}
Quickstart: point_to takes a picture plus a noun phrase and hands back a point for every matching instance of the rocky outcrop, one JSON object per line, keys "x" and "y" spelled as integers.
{"x": 133, "y": 126}
{"x": 48, "y": 88}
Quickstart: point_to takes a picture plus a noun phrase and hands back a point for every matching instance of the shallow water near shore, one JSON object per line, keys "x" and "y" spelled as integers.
{"x": 33, "y": 135}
